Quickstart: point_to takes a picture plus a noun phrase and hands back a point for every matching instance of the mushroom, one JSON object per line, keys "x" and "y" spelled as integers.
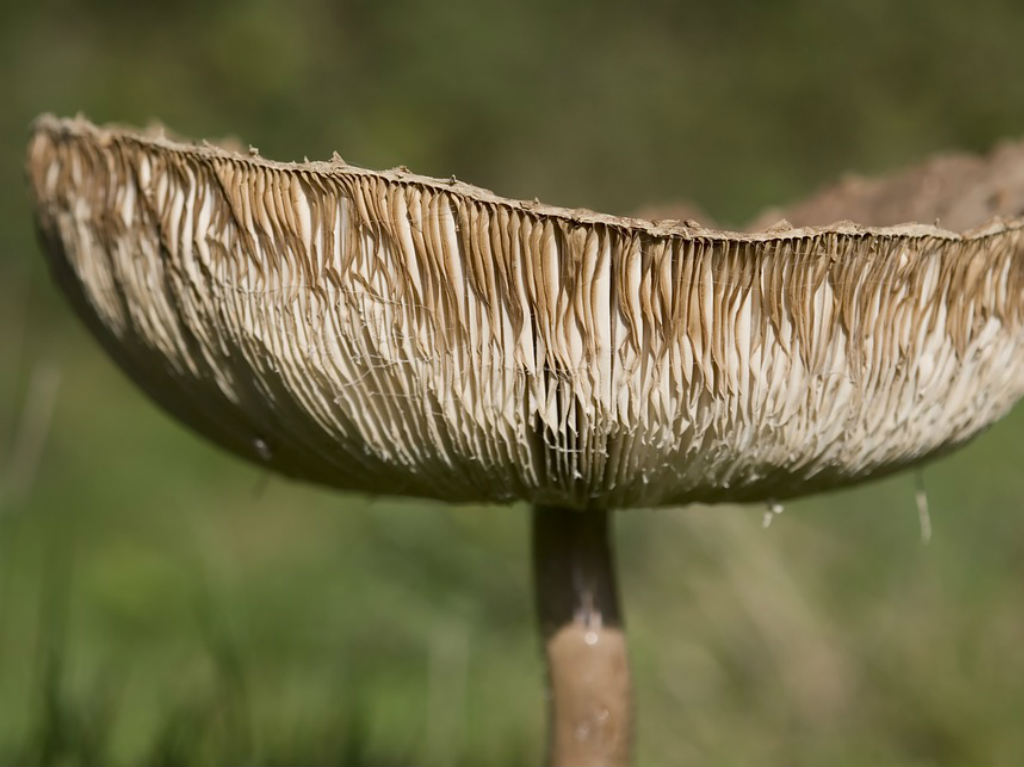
{"x": 389, "y": 333}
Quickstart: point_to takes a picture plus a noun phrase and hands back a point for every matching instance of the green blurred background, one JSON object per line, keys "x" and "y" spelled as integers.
{"x": 162, "y": 602}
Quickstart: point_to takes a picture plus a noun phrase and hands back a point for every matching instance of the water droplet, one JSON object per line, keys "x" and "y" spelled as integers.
{"x": 590, "y": 637}
{"x": 262, "y": 449}
{"x": 774, "y": 509}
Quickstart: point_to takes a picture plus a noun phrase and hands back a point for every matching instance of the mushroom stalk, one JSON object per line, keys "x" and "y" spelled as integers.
{"x": 590, "y": 707}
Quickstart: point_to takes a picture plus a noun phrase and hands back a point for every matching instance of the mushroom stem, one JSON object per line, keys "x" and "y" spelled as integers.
{"x": 589, "y": 698}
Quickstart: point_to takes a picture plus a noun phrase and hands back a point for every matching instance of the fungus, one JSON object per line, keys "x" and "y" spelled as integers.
{"x": 389, "y": 333}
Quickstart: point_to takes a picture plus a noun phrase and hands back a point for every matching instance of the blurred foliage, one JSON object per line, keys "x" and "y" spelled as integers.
{"x": 161, "y": 602}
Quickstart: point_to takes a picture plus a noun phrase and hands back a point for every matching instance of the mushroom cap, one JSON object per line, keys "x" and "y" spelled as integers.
{"x": 957, "y": 189}
{"x": 392, "y": 333}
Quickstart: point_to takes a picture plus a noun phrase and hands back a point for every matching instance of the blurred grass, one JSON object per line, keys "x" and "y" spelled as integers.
{"x": 161, "y": 602}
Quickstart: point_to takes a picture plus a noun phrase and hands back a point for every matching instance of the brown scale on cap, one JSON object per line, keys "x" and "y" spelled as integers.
{"x": 955, "y": 190}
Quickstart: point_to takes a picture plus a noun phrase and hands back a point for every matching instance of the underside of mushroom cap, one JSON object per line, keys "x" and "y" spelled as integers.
{"x": 391, "y": 333}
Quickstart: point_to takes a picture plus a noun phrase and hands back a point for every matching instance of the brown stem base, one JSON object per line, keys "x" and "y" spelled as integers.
{"x": 590, "y": 705}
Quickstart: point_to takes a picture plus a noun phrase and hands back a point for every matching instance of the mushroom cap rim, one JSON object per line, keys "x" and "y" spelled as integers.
{"x": 156, "y": 137}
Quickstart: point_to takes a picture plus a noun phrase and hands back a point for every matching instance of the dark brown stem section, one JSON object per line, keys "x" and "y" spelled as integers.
{"x": 590, "y": 704}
